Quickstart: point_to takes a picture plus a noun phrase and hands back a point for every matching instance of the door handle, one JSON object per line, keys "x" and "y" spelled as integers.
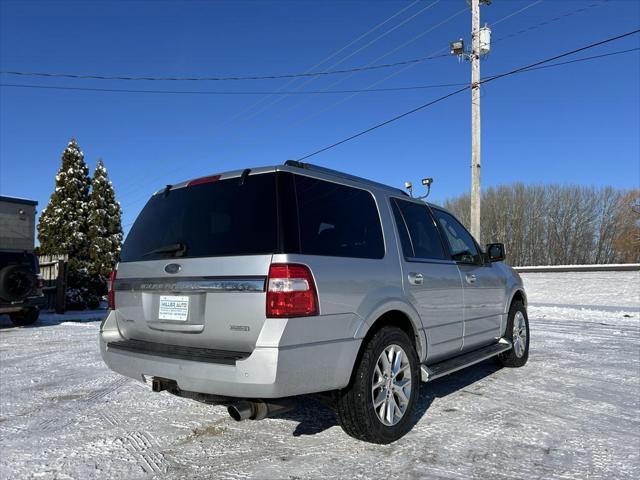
{"x": 470, "y": 278}
{"x": 416, "y": 278}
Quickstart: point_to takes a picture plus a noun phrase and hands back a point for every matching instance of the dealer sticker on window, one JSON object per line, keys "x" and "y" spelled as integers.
{"x": 173, "y": 307}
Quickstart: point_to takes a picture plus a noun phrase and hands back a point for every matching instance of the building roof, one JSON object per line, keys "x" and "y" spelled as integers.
{"x": 21, "y": 201}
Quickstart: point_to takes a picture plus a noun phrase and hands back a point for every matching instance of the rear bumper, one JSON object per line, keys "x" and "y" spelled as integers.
{"x": 29, "y": 302}
{"x": 269, "y": 372}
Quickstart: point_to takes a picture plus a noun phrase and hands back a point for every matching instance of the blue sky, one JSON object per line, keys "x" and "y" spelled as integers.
{"x": 572, "y": 124}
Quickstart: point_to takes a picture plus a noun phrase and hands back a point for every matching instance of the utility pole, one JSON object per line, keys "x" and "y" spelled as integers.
{"x": 480, "y": 46}
{"x": 475, "y": 119}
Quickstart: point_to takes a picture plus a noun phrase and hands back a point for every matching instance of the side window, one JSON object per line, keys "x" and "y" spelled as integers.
{"x": 336, "y": 220}
{"x": 463, "y": 248}
{"x": 418, "y": 233}
{"x": 405, "y": 241}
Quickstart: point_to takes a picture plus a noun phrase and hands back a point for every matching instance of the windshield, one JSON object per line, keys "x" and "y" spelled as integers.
{"x": 219, "y": 218}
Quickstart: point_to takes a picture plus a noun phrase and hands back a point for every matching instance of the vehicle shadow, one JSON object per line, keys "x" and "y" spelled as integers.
{"x": 314, "y": 415}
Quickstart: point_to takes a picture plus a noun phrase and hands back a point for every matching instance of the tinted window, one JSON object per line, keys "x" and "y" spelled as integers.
{"x": 336, "y": 220}
{"x": 403, "y": 233}
{"x": 463, "y": 248}
{"x": 210, "y": 219}
{"x": 423, "y": 239}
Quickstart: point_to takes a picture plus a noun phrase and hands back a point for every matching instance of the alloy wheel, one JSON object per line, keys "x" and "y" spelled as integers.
{"x": 391, "y": 385}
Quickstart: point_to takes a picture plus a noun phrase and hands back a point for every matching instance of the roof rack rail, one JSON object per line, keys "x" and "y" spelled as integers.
{"x": 338, "y": 173}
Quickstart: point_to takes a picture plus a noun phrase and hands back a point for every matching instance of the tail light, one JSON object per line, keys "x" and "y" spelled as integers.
{"x": 111, "y": 293}
{"x": 291, "y": 291}
{"x": 39, "y": 282}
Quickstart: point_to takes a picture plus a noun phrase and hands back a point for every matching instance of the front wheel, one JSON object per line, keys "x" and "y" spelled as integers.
{"x": 378, "y": 404}
{"x": 517, "y": 333}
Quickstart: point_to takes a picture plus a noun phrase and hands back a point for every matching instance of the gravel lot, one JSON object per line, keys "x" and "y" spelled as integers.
{"x": 572, "y": 412}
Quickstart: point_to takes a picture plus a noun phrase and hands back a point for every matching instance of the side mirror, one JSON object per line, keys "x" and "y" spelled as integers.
{"x": 495, "y": 252}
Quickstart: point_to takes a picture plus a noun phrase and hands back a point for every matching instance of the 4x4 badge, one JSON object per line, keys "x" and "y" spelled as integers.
{"x": 172, "y": 268}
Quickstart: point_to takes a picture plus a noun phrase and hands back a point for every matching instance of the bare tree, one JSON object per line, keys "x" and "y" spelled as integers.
{"x": 559, "y": 224}
{"x": 626, "y": 239}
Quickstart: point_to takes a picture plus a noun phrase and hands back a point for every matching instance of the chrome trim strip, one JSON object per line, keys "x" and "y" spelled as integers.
{"x": 176, "y": 327}
{"x": 192, "y": 284}
{"x": 429, "y": 260}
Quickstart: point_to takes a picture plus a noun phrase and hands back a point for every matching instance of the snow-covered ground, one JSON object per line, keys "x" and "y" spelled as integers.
{"x": 572, "y": 412}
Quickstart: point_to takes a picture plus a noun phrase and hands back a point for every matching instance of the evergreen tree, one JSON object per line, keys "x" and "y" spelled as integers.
{"x": 105, "y": 228}
{"x": 63, "y": 227}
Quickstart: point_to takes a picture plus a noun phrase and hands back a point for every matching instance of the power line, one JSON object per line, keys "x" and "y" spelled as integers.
{"x": 456, "y": 92}
{"x": 513, "y": 14}
{"x": 253, "y": 112}
{"x": 221, "y": 79}
{"x": 382, "y": 35}
{"x": 306, "y": 92}
{"x": 392, "y": 29}
{"x": 408, "y": 42}
{"x": 517, "y": 33}
{"x": 524, "y": 70}
{"x": 302, "y": 74}
{"x": 548, "y": 21}
{"x": 500, "y": 20}
{"x": 386, "y": 122}
{"x": 578, "y": 60}
{"x": 411, "y": 40}
{"x": 365, "y": 34}
{"x": 264, "y": 103}
{"x": 326, "y": 59}
{"x": 223, "y": 92}
{"x": 536, "y": 65}
{"x": 556, "y": 64}
{"x": 399, "y": 71}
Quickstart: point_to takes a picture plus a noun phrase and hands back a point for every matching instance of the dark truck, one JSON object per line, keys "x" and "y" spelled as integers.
{"x": 21, "y": 294}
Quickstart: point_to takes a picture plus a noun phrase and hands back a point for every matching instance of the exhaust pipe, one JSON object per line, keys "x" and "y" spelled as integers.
{"x": 241, "y": 411}
{"x": 258, "y": 409}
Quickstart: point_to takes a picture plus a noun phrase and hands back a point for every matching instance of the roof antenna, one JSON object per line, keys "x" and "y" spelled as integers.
{"x": 409, "y": 187}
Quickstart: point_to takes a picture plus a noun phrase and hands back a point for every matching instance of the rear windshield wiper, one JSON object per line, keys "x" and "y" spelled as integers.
{"x": 179, "y": 249}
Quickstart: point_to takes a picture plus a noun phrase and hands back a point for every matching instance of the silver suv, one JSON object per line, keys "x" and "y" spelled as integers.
{"x": 250, "y": 287}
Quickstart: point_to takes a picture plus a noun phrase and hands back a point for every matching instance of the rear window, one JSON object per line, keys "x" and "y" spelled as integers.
{"x": 336, "y": 220}
{"x": 220, "y": 218}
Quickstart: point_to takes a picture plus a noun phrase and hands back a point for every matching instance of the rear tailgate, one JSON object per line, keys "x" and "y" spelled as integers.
{"x": 216, "y": 303}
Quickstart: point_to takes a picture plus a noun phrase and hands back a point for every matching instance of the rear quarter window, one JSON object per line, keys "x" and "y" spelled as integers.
{"x": 337, "y": 220}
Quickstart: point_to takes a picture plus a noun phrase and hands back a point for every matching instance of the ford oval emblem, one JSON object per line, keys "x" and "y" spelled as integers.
{"x": 172, "y": 268}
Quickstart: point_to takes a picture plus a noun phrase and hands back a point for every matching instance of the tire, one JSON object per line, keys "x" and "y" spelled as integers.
{"x": 519, "y": 354}
{"x": 355, "y": 404}
{"x": 28, "y": 316}
{"x": 16, "y": 282}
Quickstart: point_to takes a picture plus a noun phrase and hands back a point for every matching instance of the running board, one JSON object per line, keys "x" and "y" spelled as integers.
{"x": 437, "y": 370}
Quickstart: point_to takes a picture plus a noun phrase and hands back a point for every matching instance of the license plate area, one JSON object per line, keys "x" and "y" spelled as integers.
{"x": 173, "y": 307}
